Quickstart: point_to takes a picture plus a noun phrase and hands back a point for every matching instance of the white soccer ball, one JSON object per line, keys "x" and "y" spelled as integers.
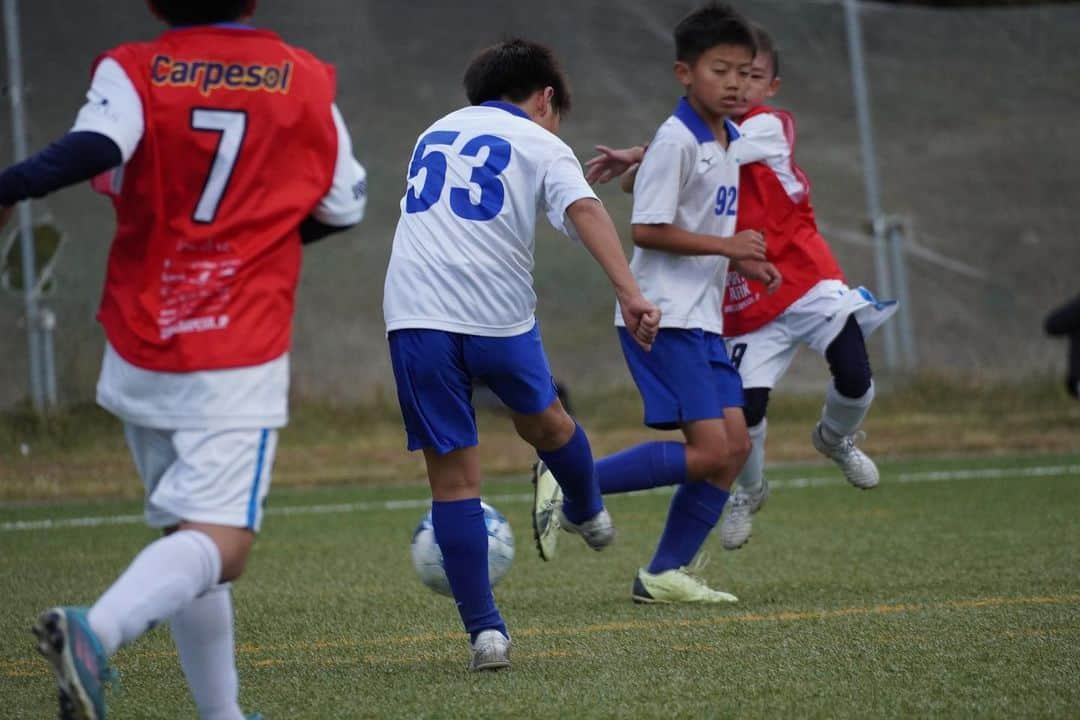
{"x": 428, "y": 560}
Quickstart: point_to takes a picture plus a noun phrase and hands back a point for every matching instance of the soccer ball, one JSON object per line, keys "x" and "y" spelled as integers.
{"x": 428, "y": 560}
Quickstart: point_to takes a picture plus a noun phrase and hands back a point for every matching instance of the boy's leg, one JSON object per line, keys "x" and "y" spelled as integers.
{"x": 218, "y": 477}
{"x": 458, "y": 520}
{"x": 434, "y": 389}
{"x": 847, "y": 401}
{"x": 203, "y": 633}
{"x": 517, "y": 371}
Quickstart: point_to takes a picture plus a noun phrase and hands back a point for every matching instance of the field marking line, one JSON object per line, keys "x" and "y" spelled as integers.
{"x": 23, "y": 668}
{"x": 795, "y": 483}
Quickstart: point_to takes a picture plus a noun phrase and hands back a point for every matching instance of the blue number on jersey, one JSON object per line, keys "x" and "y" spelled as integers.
{"x": 727, "y": 200}
{"x": 486, "y": 176}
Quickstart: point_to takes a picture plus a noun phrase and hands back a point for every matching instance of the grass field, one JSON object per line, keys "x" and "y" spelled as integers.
{"x": 952, "y": 590}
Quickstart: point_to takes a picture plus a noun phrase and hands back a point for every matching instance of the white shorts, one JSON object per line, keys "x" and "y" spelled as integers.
{"x": 764, "y": 355}
{"x": 219, "y": 477}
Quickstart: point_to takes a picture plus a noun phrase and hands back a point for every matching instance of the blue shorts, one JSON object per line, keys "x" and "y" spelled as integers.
{"x": 686, "y": 377}
{"x": 434, "y": 372}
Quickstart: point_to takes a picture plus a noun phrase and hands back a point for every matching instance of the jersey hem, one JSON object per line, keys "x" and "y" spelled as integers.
{"x": 461, "y": 328}
{"x": 181, "y": 421}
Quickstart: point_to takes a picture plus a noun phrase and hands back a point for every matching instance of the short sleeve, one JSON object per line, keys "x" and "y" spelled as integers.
{"x": 663, "y": 172}
{"x": 344, "y": 205}
{"x": 113, "y": 108}
{"x": 563, "y": 185}
{"x": 762, "y": 137}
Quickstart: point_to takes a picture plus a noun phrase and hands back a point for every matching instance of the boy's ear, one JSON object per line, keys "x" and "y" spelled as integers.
{"x": 682, "y": 73}
{"x": 774, "y": 87}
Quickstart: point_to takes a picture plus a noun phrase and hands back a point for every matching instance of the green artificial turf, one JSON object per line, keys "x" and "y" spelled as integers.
{"x": 948, "y": 595}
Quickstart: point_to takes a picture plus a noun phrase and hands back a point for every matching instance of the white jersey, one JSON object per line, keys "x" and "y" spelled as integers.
{"x": 236, "y": 398}
{"x": 462, "y": 259}
{"x": 686, "y": 179}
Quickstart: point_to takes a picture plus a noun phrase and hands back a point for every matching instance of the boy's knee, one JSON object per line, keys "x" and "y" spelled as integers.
{"x": 548, "y": 430}
{"x": 756, "y": 403}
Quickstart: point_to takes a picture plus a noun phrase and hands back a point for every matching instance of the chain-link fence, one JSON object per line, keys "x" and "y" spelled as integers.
{"x": 975, "y": 112}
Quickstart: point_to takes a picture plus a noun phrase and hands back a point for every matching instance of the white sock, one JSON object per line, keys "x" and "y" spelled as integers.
{"x": 753, "y": 471}
{"x": 203, "y": 632}
{"x": 162, "y": 580}
{"x": 841, "y": 415}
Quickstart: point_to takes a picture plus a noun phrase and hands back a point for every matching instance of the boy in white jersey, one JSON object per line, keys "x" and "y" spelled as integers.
{"x": 459, "y": 305}
{"x": 684, "y": 233}
{"x": 814, "y": 308}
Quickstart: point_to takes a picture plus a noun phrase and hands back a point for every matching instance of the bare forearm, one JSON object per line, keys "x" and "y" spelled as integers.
{"x": 676, "y": 240}
{"x": 598, "y": 235}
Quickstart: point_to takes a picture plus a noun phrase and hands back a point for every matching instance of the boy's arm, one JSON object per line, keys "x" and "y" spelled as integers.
{"x": 106, "y": 132}
{"x": 598, "y": 235}
{"x": 344, "y": 205}
{"x": 743, "y": 245}
{"x": 761, "y": 138}
{"x": 611, "y": 163}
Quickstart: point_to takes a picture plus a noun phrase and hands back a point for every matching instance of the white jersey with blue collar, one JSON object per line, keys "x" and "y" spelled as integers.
{"x": 686, "y": 179}
{"x": 462, "y": 259}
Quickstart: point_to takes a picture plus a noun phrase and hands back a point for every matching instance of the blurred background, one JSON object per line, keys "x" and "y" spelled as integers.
{"x": 974, "y": 112}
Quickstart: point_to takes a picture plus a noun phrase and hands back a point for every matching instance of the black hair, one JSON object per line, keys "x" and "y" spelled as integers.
{"x": 201, "y": 12}
{"x": 766, "y": 46}
{"x": 714, "y": 24}
{"x": 514, "y": 69}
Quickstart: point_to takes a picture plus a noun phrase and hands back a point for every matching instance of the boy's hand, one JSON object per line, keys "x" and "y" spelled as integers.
{"x": 611, "y": 163}
{"x": 762, "y": 272}
{"x": 5, "y": 213}
{"x": 746, "y": 245}
{"x": 642, "y": 320}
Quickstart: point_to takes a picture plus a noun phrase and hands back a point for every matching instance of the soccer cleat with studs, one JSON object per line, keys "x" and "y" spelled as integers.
{"x": 547, "y": 498}
{"x": 856, "y": 465}
{"x": 739, "y": 522}
{"x": 67, "y": 642}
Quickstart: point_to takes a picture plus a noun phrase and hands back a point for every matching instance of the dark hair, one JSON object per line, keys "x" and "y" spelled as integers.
{"x": 714, "y": 24}
{"x": 766, "y": 46}
{"x": 201, "y": 12}
{"x": 514, "y": 69}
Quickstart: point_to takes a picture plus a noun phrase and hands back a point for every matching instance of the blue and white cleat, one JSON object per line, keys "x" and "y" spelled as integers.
{"x": 66, "y": 640}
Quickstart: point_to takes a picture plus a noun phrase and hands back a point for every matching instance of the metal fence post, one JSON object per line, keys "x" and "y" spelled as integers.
{"x": 885, "y": 288}
{"x": 25, "y": 219}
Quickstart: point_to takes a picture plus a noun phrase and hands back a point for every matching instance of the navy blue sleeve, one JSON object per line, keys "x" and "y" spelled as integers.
{"x": 311, "y": 230}
{"x": 74, "y": 158}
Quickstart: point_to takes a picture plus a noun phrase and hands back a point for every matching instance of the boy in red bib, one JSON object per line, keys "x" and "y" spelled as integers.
{"x": 223, "y": 151}
{"x": 813, "y": 306}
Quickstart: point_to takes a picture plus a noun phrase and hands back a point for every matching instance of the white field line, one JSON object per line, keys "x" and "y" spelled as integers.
{"x": 421, "y": 503}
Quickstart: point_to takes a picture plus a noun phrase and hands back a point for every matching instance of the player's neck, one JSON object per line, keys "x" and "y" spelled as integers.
{"x": 715, "y": 123}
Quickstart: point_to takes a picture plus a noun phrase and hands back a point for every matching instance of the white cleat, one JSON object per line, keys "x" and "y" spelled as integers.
{"x": 547, "y": 497}
{"x": 856, "y": 465}
{"x": 739, "y": 522}
{"x": 490, "y": 651}
{"x": 598, "y": 531}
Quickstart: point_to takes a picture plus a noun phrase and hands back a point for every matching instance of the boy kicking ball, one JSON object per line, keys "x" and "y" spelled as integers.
{"x": 459, "y": 306}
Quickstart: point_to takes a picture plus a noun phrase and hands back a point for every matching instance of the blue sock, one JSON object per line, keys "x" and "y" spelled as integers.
{"x": 694, "y": 512}
{"x": 572, "y": 466}
{"x": 462, "y": 537}
{"x": 649, "y": 465}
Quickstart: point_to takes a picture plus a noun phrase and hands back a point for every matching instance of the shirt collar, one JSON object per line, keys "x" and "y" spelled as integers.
{"x": 700, "y": 130}
{"x": 508, "y": 107}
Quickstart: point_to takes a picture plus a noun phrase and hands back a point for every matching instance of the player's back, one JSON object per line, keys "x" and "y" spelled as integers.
{"x": 238, "y": 146}
{"x": 463, "y": 251}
